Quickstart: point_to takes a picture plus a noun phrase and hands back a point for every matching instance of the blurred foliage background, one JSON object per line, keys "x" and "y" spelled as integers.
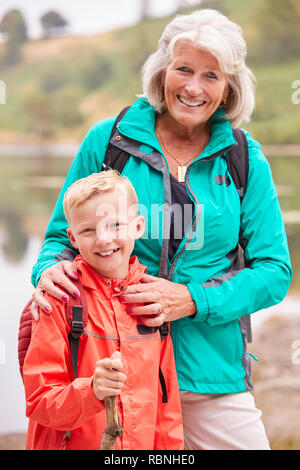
{"x": 59, "y": 85}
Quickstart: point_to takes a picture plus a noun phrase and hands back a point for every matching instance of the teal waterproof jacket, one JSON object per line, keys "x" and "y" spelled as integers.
{"x": 210, "y": 347}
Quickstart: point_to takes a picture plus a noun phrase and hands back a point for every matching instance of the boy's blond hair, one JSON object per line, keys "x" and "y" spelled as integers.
{"x": 95, "y": 184}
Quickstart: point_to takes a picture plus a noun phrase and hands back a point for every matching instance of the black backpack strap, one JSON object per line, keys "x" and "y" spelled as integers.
{"x": 146, "y": 330}
{"x": 163, "y": 386}
{"x": 163, "y": 331}
{"x": 115, "y": 158}
{"x": 238, "y": 162}
{"x": 77, "y": 317}
{"x": 238, "y": 166}
{"x": 74, "y": 335}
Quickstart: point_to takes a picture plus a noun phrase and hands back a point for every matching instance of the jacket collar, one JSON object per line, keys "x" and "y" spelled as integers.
{"x": 110, "y": 286}
{"x": 139, "y": 124}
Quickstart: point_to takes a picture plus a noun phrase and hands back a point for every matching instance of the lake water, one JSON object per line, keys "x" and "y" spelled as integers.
{"x": 28, "y": 191}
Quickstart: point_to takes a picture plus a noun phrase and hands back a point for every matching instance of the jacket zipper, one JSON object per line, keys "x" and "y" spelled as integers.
{"x": 163, "y": 269}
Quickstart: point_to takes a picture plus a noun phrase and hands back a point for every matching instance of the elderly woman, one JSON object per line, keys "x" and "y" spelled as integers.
{"x": 196, "y": 89}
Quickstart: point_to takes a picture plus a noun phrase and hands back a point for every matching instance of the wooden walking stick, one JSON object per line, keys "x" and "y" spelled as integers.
{"x": 113, "y": 427}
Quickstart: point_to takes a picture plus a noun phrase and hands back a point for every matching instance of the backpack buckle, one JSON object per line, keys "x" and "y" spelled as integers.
{"x": 77, "y": 323}
{"x": 77, "y": 328}
{"x": 164, "y": 330}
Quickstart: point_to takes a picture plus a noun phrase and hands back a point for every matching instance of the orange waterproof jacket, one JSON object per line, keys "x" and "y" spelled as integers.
{"x": 56, "y": 402}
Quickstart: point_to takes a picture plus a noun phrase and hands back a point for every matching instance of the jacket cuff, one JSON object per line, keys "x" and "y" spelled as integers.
{"x": 35, "y": 276}
{"x": 199, "y": 297}
{"x": 89, "y": 400}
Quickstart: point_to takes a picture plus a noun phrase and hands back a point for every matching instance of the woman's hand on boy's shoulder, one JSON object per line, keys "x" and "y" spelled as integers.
{"x": 160, "y": 300}
{"x": 58, "y": 275}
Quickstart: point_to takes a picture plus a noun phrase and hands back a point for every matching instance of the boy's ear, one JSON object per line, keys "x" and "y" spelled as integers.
{"x": 72, "y": 238}
{"x": 140, "y": 226}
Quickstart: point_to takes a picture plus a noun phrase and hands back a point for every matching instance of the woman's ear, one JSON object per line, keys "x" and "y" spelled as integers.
{"x": 72, "y": 238}
{"x": 162, "y": 85}
{"x": 226, "y": 93}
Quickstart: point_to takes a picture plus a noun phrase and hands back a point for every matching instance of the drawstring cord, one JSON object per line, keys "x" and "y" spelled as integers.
{"x": 252, "y": 355}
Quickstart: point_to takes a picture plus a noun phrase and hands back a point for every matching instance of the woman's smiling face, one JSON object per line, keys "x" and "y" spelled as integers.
{"x": 194, "y": 85}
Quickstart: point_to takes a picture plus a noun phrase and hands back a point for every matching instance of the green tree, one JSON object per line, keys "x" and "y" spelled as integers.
{"x": 278, "y": 23}
{"x": 52, "y": 23}
{"x": 14, "y": 30}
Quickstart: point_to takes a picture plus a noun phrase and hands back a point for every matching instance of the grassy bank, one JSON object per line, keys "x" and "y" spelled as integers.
{"x": 63, "y": 85}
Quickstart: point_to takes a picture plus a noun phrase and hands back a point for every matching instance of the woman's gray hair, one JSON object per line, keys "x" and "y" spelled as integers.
{"x": 214, "y": 32}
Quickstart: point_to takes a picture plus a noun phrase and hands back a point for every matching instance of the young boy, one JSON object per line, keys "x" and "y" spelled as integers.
{"x": 116, "y": 355}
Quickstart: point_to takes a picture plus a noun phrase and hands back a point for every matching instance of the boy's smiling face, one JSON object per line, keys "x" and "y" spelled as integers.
{"x": 104, "y": 230}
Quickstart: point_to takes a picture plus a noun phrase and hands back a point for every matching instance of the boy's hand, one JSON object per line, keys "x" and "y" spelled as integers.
{"x": 108, "y": 380}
